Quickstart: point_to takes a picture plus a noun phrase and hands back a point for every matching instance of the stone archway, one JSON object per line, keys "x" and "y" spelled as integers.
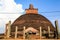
{"x": 31, "y": 32}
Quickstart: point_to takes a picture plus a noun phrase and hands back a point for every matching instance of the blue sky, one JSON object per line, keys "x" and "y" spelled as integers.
{"x": 42, "y": 5}
{"x": 12, "y": 9}
{"x": 48, "y": 8}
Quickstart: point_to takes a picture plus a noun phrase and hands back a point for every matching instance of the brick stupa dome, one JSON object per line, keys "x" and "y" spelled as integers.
{"x": 32, "y": 19}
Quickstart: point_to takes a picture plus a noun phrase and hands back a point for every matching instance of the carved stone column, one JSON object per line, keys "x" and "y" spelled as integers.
{"x": 24, "y": 33}
{"x": 40, "y": 32}
{"x": 56, "y": 25}
{"x": 16, "y": 32}
{"x": 8, "y": 29}
{"x": 49, "y": 30}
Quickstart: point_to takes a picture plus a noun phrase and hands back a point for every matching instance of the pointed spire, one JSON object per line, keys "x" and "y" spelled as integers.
{"x": 31, "y": 6}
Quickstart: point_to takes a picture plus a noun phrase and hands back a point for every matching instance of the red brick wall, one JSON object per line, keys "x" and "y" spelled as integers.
{"x": 34, "y": 11}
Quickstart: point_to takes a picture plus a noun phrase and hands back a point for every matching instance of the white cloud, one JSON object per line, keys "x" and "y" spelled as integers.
{"x": 10, "y": 6}
{"x": 5, "y": 18}
{"x": 7, "y": 10}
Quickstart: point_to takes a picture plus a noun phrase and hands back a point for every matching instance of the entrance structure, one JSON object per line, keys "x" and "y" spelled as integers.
{"x": 33, "y": 24}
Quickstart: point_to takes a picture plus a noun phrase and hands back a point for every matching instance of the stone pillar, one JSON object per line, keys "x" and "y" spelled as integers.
{"x": 49, "y": 30}
{"x": 56, "y": 25}
{"x": 40, "y": 32}
{"x": 16, "y": 32}
{"x": 8, "y": 29}
{"x": 24, "y": 33}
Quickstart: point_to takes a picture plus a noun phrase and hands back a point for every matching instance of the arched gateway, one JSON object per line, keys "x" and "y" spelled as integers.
{"x": 32, "y": 21}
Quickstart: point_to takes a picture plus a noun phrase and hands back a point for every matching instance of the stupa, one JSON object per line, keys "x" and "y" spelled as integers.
{"x": 31, "y": 19}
